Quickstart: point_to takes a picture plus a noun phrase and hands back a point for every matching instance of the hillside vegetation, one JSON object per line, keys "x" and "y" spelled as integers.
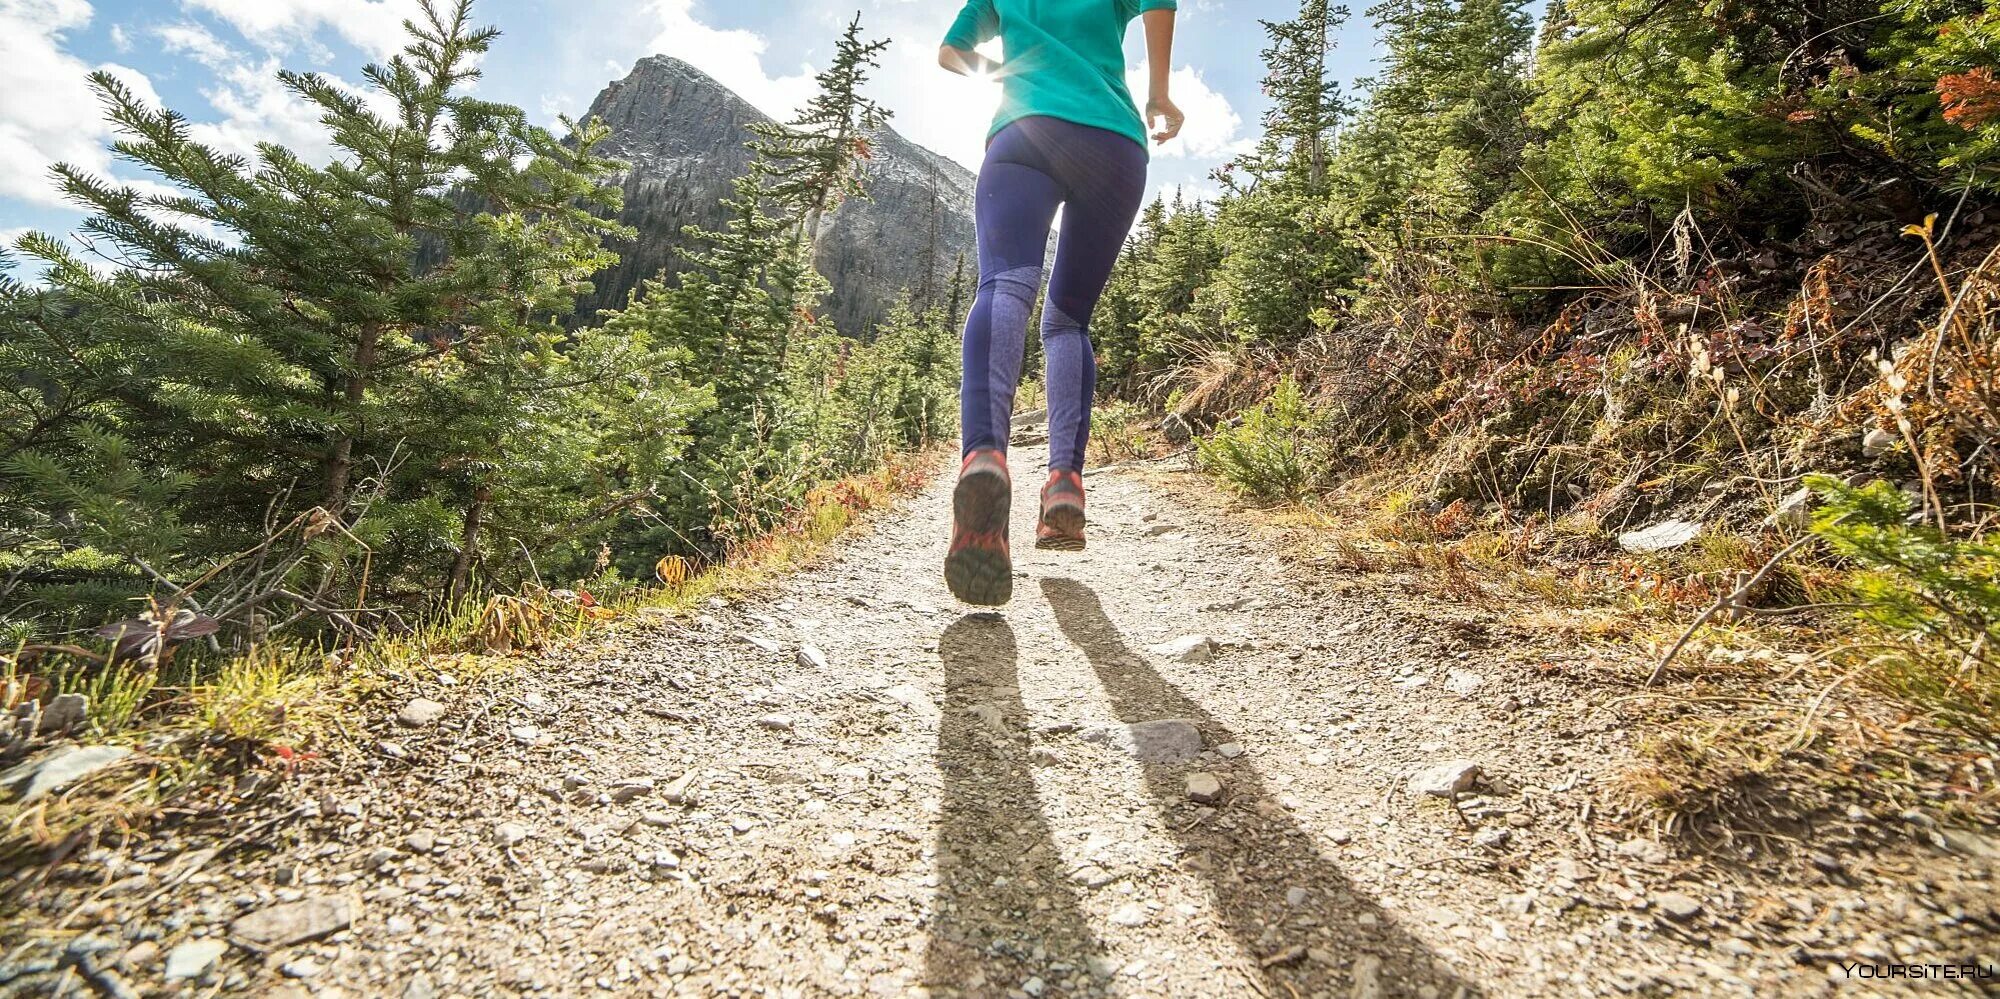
{"x": 274, "y": 421}
{"x": 1706, "y": 263}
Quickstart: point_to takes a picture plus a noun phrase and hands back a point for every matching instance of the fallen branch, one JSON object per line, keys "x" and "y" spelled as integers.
{"x": 1733, "y": 598}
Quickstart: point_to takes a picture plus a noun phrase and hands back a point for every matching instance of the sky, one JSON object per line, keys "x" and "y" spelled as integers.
{"x": 215, "y": 61}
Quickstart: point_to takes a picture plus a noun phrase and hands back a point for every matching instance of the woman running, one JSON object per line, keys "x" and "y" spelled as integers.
{"x": 1067, "y": 134}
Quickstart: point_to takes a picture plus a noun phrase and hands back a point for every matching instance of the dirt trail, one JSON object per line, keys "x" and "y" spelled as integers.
{"x": 849, "y": 786}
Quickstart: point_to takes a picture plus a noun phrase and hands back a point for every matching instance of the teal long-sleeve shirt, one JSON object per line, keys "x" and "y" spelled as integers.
{"x": 1060, "y": 58}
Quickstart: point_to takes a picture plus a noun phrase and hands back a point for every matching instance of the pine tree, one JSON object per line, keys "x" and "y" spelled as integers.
{"x": 351, "y": 336}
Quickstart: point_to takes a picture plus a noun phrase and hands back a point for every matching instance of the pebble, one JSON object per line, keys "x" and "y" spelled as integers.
{"x": 191, "y": 959}
{"x": 295, "y": 922}
{"x": 630, "y": 789}
{"x": 525, "y": 734}
{"x": 1491, "y": 837}
{"x": 762, "y": 644}
{"x": 1295, "y": 896}
{"x": 510, "y": 833}
{"x": 1229, "y": 750}
{"x": 304, "y": 967}
{"x": 1204, "y": 789}
{"x": 1445, "y": 779}
{"x": 56, "y": 770}
{"x": 1129, "y": 914}
{"x": 420, "y": 712}
{"x": 392, "y": 750}
{"x": 776, "y": 723}
{"x": 1676, "y": 906}
{"x": 811, "y": 657}
{"x": 1186, "y": 649}
{"x": 1367, "y": 976}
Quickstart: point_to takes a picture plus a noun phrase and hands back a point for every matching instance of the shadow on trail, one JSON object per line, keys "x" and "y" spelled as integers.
{"x": 1004, "y": 911}
{"x": 1251, "y": 852}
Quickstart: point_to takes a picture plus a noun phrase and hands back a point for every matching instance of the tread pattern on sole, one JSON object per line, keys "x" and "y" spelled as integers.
{"x": 978, "y": 570}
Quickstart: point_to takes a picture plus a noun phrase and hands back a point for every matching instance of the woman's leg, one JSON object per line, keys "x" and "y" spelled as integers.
{"x": 1014, "y": 207}
{"x": 1103, "y": 199}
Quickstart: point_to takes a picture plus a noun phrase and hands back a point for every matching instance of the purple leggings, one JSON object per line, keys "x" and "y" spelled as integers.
{"x": 1033, "y": 166}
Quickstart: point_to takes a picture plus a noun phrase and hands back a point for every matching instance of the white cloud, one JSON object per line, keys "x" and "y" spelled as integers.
{"x": 373, "y": 26}
{"x": 120, "y": 38}
{"x": 733, "y": 57}
{"x": 254, "y": 104}
{"x": 48, "y": 112}
{"x": 1213, "y": 129}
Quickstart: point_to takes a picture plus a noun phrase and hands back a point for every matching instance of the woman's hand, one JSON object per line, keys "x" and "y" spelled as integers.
{"x": 1159, "y": 107}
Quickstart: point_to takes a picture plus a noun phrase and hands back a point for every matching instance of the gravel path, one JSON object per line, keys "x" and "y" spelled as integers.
{"x": 848, "y": 786}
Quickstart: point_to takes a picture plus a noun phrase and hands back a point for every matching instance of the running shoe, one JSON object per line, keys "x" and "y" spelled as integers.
{"x": 978, "y": 570}
{"x": 1061, "y": 526}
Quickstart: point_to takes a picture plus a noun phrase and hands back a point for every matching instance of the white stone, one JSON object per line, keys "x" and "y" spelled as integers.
{"x": 1660, "y": 537}
{"x": 1445, "y": 779}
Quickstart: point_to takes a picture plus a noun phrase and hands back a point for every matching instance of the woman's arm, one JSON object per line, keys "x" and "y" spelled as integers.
{"x": 966, "y": 62}
{"x": 977, "y": 23}
{"x": 1159, "y": 67}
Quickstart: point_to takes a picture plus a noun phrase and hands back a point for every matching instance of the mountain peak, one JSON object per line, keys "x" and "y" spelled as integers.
{"x": 684, "y": 134}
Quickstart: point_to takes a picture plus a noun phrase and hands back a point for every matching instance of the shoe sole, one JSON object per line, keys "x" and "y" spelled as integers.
{"x": 1065, "y": 524}
{"x": 980, "y": 576}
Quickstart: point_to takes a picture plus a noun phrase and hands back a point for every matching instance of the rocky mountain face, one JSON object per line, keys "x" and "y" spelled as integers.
{"x": 683, "y": 134}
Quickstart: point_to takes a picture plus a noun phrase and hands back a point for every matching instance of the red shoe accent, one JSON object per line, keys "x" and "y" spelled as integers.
{"x": 979, "y": 569}
{"x": 1061, "y": 524}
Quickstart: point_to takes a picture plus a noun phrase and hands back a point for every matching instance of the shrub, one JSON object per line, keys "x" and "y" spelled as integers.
{"x": 1278, "y": 452}
{"x": 1937, "y": 596}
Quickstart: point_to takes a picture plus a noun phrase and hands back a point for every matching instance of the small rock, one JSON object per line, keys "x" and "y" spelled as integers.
{"x": 1645, "y": 850}
{"x": 811, "y": 657}
{"x": 392, "y": 750}
{"x": 1034, "y": 986}
{"x": 510, "y": 833}
{"x": 1129, "y": 914}
{"x": 525, "y": 734}
{"x": 678, "y": 793}
{"x": 420, "y": 987}
{"x": 64, "y": 712}
{"x": 1794, "y": 510}
{"x": 1446, "y": 779}
{"x": 1876, "y": 441}
{"x": 191, "y": 959}
{"x": 1367, "y": 976}
{"x": 1162, "y": 740}
{"x": 762, "y": 644}
{"x": 1204, "y": 789}
{"x": 56, "y": 770}
{"x": 1492, "y": 837}
{"x": 630, "y": 789}
{"x": 304, "y": 967}
{"x": 420, "y": 712}
{"x": 1229, "y": 750}
{"x": 990, "y": 716}
{"x": 295, "y": 922}
{"x": 776, "y": 723}
{"x": 1676, "y": 906}
{"x": 1158, "y": 529}
{"x": 1463, "y": 681}
{"x": 1660, "y": 537}
{"x": 1186, "y": 649}
{"x": 421, "y": 841}
{"x": 1295, "y": 897}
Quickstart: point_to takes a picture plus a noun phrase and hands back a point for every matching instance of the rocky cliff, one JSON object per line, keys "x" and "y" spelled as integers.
{"x": 683, "y": 134}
